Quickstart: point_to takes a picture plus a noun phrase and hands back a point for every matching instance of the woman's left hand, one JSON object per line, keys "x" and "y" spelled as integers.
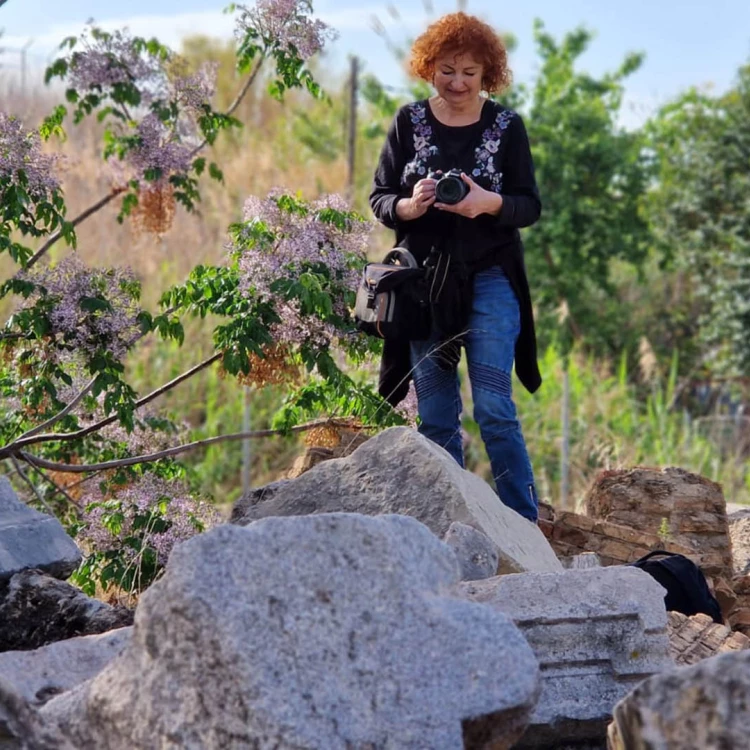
{"x": 478, "y": 201}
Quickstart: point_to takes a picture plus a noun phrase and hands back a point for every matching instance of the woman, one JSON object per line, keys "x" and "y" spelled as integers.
{"x": 480, "y": 298}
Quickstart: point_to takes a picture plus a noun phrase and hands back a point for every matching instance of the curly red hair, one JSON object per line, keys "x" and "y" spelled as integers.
{"x": 462, "y": 33}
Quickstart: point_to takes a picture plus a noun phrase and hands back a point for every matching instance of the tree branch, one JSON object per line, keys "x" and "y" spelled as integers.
{"x": 32, "y": 439}
{"x": 57, "y": 487}
{"x": 121, "y": 189}
{"x": 78, "y": 220}
{"x": 147, "y": 458}
{"x": 57, "y": 417}
{"x": 237, "y": 99}
{"x": 25, "y": 477}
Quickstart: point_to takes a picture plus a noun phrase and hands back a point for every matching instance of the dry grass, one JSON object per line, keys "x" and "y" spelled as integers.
{"x": 264, "y": 154}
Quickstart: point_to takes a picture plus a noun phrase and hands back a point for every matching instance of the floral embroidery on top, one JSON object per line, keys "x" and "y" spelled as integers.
{"x": 423, "y": 146}
{"x": 425, "y": 149}
{"x": 490, "y": 145}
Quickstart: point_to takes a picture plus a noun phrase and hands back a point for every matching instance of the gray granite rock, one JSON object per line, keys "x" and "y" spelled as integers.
{"x": 328, "y": 631}
{"x": 256, "y": 495}
{"x": 21, "y": 726}
{"x": 36, "y": 610}
{"x": 476, "y": 554}
{"x": 42, "y": 674}
{"x": 582, "y": 561}
{"x": 30, "y": 539}
{"x": 401, "y": 471}
{"x": 702, "y": 707}
{"x": 596, "y": 633}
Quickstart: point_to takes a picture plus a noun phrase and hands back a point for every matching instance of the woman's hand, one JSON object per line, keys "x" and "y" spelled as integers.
{"x": 478, "y": 201}
{"x": 421, "y": 199}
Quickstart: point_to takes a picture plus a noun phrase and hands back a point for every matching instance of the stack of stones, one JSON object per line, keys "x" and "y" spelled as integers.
{"x": 572, "y": 534}
{"x": 692, "y": 639}
{"x": 681, "y": 507}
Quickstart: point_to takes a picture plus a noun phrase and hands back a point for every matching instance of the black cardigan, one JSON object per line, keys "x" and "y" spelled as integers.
{"x": 496, "y": 155}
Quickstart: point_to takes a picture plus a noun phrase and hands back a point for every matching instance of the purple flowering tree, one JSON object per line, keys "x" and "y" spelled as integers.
{"x": 283, "y": 293}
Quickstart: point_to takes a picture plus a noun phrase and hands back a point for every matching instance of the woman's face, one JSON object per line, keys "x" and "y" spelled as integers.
{"x": 458, "y": 77}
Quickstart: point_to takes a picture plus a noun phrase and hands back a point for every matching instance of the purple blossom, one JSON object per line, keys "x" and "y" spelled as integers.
{"x": 286, "y": 25}
{"x": 77, "y": 323}
{"x": 144, "y": 439}
{"x": 194, "y": 91}
{"x": 408, "y": 407}
{"x": 110, "y": 59}
{"x": 283, "y": 244}
{"x": 21, "y": 152}
{"x": 185, "y": 515}
{"x": 296, "y": 328}
{"x": 158, "y": 150}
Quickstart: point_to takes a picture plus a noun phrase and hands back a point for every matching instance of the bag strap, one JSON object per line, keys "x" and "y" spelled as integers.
{"x": 656, "y": 552}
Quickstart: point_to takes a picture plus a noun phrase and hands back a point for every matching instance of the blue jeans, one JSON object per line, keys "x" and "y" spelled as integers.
{"x": 490, "y": 341}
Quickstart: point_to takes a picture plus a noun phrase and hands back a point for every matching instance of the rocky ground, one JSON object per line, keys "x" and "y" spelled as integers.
{"x": 387, "y": 600}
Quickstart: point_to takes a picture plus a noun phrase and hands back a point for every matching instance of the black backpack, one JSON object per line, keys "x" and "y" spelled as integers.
{"x": 687, "y": 589}
{"x": 392, "y": 298}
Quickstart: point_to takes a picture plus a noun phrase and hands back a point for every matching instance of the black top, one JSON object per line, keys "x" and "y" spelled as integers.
{"x": 495, "y": 153}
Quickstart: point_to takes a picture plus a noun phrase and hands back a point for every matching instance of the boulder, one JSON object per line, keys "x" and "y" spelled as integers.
{"x": 328, "y": 631}
{"x": 701, "y": 707}
{"x": 582, "y": 561}
{"x": 596, "y": 633}
{"x": 339, "y": 442}
{"x": 22, "y": 728}
{"x": 256, "y": 495}
{"x": 30, "y": 539}
{"x": 476, "y": 554}
{"x": 41, "y": 674}
{"x": 36, "y": 610}
{"x": 400, "y": 471}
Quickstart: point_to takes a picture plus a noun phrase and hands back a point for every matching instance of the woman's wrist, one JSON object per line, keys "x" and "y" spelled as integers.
{"x": 403, "y": 209}
{"x": 493, "y": 203}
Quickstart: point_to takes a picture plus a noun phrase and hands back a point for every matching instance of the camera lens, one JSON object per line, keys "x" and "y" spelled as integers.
{"x": 450, "y": 190}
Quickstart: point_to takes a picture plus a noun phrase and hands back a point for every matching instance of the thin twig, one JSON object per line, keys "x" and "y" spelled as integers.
{"x": 80, "y": 396}
{"x": 121, "y": 189}
{"x": 78, "y": 219}
{"x": 57, "y": 487}
{"x": 63, "y": 413}
{"x": 24, "y": 476}
{"x": 91, "y": 476}
{"x": 25, "y": 439}
{"x": 237, "y": 100}
{"x": 176, "y": 450}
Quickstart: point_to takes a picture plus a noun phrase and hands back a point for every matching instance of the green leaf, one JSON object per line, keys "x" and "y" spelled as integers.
{"x": 215, "y": 172}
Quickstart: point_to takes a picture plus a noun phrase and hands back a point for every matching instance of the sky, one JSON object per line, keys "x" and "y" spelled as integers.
{"x": 686, "y": 43}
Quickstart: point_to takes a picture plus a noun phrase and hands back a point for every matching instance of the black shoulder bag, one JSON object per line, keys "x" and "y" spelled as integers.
{"x": 393, "y": 299}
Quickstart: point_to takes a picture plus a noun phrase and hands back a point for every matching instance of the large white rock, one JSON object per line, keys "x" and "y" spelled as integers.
{"x": 596, "y": 632}
{"x": 328, "y": 631}
{"x": 43, "y": 673}
{"x": 702, "y": 707}
{"x": 401, "y": 471}
{"x": 30, "y": 539}
{"x": 22, "y": 727}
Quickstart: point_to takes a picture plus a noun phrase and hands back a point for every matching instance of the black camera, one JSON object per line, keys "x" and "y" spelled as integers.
{"x": 450, "y": 187}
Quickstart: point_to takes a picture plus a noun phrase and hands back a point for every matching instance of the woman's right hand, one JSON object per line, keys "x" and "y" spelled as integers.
{"x": 422, "y": 197}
